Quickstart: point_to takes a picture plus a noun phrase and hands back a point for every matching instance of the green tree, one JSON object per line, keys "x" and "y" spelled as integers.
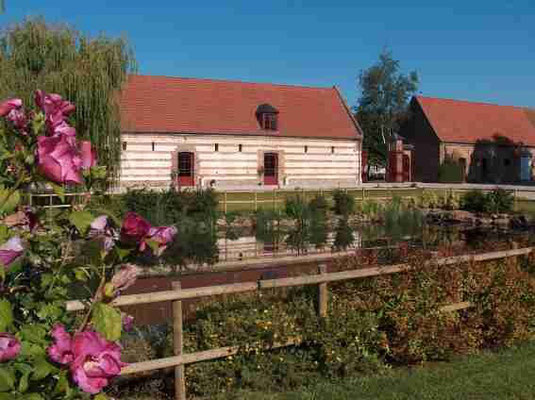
{"x": 385, "y": 93}
{"x": 87, "y": 71}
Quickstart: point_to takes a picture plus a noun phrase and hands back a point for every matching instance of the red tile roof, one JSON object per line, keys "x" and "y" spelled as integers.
{"x": 466, "y": 122}
{"x": 186, "y": 105}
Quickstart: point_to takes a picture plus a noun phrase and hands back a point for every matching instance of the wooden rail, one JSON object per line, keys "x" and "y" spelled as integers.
{"x": 179, "y": 360}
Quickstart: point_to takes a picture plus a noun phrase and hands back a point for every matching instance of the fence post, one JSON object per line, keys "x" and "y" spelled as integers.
{"x": 323, "y": 293}
{"x": 255, "y": 201}
{"x": 178, "y": 345}
{"x": 225, "y": 202}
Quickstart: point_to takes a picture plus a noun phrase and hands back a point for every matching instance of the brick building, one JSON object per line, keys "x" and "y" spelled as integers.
{"x": 489, "y": 143}
{"x": 226, "y": 134}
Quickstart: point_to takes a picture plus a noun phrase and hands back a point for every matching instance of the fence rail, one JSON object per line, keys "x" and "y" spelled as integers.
{"x": 321, "y": 279}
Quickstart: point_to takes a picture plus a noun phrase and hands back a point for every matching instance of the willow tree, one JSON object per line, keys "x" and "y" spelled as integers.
{"x": 87, "y": 71}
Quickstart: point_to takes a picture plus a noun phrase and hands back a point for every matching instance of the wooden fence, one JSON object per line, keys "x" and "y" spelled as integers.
{"x": 180, "y": 359}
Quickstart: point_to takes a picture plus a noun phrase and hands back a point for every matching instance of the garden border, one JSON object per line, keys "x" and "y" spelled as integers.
{"x": 321, "y": 279}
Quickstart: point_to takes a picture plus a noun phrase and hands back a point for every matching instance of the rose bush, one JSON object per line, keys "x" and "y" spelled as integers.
{"x": 46, "y": 352}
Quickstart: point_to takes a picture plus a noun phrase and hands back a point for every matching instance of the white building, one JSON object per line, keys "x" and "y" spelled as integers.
{"x": 236, "y": 135}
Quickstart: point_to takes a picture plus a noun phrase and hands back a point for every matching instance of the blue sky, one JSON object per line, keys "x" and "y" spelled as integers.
{"x": 472, "y": 49}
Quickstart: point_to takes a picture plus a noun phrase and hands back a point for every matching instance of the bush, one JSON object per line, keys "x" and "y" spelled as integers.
{"x": 344, "y": 203}
{"x": 450, "y": 172}
{"x": 475, "y": 201}
{"x": 372, "y": 322}
{"x": 496, "y": 201}
{"x": 500, "y": 200}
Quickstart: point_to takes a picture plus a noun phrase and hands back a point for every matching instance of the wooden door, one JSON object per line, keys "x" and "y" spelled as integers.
{"x": 271, "y": 168}
{"x": 406, "y": 168}
{"x": 186, "y": 169}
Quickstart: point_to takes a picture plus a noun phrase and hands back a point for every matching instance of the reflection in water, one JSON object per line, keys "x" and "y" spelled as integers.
{"x": 342, "y": 236}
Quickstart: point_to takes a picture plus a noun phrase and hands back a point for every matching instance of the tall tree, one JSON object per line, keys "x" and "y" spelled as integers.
{"x": 385, "y": 93}
{"x": 87, "y": 71}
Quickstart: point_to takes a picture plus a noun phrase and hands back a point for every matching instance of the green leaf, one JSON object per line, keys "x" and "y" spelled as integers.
{"x": 5, "y": 396}
{"x": 42, "y": 369}
{"x": 32, "y": 396}
{"x": 81, "y": 220}
{"x": 6, "y": 314}
{"x": 34, "y": 333}
{"x": 59, "y": 190}
{"x": 81, "y": 274}
{"x": 101, "y": 396}
{"x": 63, "y": 385}
{"x": 7, "y": 379}
{"x": 8, "y": 201}
{"x": 107, "y": 320}
{"x": 122, "y": 253}
{"x": 154, "y": 245}
{"x": 23, "y": 382}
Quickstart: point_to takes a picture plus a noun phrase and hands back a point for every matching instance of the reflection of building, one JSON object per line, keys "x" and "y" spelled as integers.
{"x": 486, "y": 142}
{"x": 236, "y": 135}
{"x": 247, "y": 247}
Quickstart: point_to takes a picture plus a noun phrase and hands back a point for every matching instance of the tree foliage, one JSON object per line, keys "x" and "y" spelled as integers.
{"x": 385, "y": 93}
{"x": 87, "y": 71}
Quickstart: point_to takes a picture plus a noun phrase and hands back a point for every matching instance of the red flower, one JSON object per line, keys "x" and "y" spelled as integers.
{"x": 58, "y": 159}
{"x": 134, "y": 228}
{"x": 163, "y": 235}
{"x": 88, "y": 154}
{"x": 61, "y": 351}
{"x": 10, "y": 251}
{"x": 7, "y": 106}
{"x": 96, "y": 361}
{"x": 9, "y": 347}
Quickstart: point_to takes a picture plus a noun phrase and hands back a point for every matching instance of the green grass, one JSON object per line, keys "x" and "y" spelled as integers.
{"x": 526, "y": 207}
{"x": 508, "y": 374}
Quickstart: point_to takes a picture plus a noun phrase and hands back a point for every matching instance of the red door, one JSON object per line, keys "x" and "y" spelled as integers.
{"x": 406, "y": 168}
{"x": 271, "y": 168}
{"x": 186, "y": 169}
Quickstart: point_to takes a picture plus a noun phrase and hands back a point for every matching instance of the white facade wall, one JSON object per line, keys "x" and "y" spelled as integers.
{"x": 149, "y": 159}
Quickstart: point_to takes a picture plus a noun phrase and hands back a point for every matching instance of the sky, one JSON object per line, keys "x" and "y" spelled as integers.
{"x": 480, "y": 50}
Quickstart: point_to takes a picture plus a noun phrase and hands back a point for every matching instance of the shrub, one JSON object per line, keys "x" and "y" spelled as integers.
{"x": 45, "y": 262}
{"x": 475, "y": 201}
{"x": 450, "y": 172}
{"x": 496, "y": 201}
{"x": 500, "y": 200}
{"x": 344, "y": 203}
{"x": 371, "y": 322}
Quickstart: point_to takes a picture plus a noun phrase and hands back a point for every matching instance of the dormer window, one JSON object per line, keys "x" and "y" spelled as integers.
{"x": 267, "y": 117}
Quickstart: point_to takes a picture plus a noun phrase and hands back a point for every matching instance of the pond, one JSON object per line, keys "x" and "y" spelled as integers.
{"x": 272, "y": 240}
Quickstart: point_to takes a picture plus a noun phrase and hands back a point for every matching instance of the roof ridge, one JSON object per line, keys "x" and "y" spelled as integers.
{"x": 233, "y": 81}
{"x": 473, "y": 102}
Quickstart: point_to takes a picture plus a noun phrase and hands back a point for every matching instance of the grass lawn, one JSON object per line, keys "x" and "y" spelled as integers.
{"x": 509, "y": 374}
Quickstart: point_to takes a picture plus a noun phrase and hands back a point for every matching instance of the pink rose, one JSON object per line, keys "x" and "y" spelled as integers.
{"x": 64, "y": 129}
{"x": 58, "y": 159}
{"x": 101, "y": 229}
{"x": 128, "y": 322}
{"x": 88, "y": 154}
{"x": 61, "y": 351}
{"x": 163, "y": 235}
{"x": 9, "y": 105}
{"x": 124, "y": 278}
{"x": 10, "y": 251}
{"x": 134, "y": 229}
{"x": 96, "y": 361}
{"x": 25, "y": 219}
{"x": 9, "y": 347}
{"x": 56, "y": 110}
{"x": 18, "y": 118}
